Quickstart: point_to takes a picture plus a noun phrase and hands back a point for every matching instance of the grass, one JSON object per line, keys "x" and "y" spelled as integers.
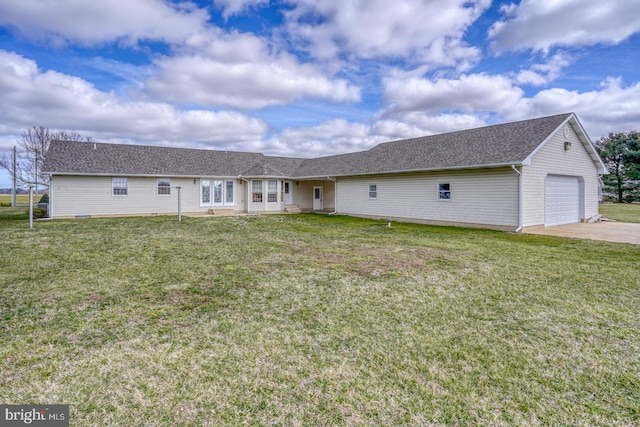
{"x": 317, "y": 320}
{"x": 5, "y": 199}
{"x": 625, "y": 212}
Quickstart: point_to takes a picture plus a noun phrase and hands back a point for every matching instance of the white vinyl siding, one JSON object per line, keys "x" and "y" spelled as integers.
{"x": 87, "y": 195}
{"x": 553, "y": 159}
{"x": 481, "y": 197}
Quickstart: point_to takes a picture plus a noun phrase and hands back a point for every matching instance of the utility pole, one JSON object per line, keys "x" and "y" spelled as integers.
{"x": 179, "y": 204}
{"x": 31, "y": 207}
{"x": 36, "y": 172}
{"x": 13, "y": 187}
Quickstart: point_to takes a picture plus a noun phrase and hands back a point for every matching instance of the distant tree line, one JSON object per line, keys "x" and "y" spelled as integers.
{"x": 620, "y": 152}
{"x": 18, "y": 191}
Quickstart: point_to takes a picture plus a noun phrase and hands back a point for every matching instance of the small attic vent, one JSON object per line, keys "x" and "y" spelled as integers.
{"x": 567, "y": 145}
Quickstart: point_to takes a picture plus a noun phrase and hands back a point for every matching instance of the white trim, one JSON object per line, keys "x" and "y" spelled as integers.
{"x": 374, "y": 191}
{"x": 441, "y": 199}
{"x": 413, "y": 171}
{"x": 164, "y": 187}
{"x": 126, "y": 181}
{"x": 520, "y": 185}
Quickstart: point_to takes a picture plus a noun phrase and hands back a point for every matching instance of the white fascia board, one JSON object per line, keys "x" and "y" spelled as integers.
{"x": 140, "y": 175}
{"x": 453, "y": 168}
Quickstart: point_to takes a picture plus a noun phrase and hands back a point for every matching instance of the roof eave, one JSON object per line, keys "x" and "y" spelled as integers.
{"x": 138, "y": 175}
{"x": 451, "y": 168}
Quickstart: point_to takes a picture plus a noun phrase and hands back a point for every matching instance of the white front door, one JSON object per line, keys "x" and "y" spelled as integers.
{"x": 317, "y": 199}
{"x": 288, "y": 194}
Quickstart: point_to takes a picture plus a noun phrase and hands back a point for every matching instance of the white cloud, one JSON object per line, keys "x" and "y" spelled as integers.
{"x": 469, "y": 93}
{"x": 233, "y": 7}
{"x": 425, "y": 31}
{"x": 340, "y": 136}
{"x": 98, "y": 21}
{"x": 613, "y": 108}
{"x": 59, "y": 101}
{"x": 331, "y": 137}
{"x": 542, "y": 24}
{"x": 418, "y": 123}
{"x": 240, "y": 70}
{"x": 541, "y": 74}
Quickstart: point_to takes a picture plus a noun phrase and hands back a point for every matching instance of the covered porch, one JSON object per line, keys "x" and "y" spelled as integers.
{"x": 312, "y": 195}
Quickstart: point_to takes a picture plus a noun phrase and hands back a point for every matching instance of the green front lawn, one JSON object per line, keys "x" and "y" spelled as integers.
{"x": 317, "y": 320}
{"x": 624, "y": 212}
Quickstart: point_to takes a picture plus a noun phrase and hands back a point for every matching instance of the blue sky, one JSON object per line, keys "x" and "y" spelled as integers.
{"x": 312, "y": 77}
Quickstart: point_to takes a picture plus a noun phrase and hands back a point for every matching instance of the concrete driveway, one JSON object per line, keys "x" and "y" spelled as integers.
{"x": 622, "y": 232}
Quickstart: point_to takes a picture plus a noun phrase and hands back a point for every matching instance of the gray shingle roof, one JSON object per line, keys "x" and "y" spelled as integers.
{"x": 509, "y": 143}
{"x": 67, "y": 157}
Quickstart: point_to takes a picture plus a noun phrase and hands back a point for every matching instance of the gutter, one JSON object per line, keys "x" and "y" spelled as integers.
{"x": 406, "y": 171}
{"x": 519, "y": 229}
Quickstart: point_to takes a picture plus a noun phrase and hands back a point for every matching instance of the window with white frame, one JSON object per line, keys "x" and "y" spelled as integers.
{"x": 272, "y": 191}
{"x": 164, "y": 186}
{"x": 373, "y": 191}
{"x": 205, "y": 197}
{"x": 256, "y": 191}
{"x": 119, "y": 186}
{"x": 228, "y": 192}
{"x": 444, "y": 191}
{"x": 217, "y": 192}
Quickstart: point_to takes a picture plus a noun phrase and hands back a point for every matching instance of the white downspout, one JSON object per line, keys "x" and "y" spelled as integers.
{"x": 519, "y": 198}
{"x": 248, "y": 202}
{"x": 335, "y": 196}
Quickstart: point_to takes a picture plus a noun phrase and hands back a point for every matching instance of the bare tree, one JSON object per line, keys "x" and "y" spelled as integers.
{"x": 34, "y": 144}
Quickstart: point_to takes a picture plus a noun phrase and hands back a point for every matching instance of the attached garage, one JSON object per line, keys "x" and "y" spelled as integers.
{"x": 562, "y": 197}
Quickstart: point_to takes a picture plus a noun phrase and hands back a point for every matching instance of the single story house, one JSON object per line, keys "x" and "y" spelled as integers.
{"x": 538, "y": 172}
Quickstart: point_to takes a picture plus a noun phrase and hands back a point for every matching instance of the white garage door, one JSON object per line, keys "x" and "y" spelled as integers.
{"x": 562, "y": 200}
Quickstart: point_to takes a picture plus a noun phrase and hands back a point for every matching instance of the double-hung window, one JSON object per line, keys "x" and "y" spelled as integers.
{"x": 373, "y": 191}
{"x": 256, "y": 191}
{"x": 119, "y": 186}
{"x": 164, "y": 187}
{"x": 272, "y": 191}
{"x": 444, "y": 191}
